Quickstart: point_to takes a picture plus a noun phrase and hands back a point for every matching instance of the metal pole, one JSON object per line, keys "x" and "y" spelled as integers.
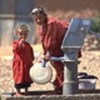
{"x": 70, "y": 85}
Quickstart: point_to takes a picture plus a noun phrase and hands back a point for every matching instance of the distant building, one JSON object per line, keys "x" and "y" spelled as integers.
{"x": 13, "y": 12}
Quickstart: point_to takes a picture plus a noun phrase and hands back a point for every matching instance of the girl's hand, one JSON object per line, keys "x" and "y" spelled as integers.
{"x": 21, "y": 41}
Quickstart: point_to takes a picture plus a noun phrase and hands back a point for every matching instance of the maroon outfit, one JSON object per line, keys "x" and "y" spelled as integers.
{"x": 51, "y": 38}
{"x": 22, "y": 62}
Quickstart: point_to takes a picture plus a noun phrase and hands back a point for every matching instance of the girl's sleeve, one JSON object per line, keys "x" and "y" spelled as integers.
{"x": 32, "y": 53}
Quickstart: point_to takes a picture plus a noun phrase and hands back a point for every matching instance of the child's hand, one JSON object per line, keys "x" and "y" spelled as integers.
{"x": 21, "y": 41}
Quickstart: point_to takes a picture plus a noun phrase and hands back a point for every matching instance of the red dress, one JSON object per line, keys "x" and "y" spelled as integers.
{"x": 51, "y": 41}
{"x": 22, "y": 62}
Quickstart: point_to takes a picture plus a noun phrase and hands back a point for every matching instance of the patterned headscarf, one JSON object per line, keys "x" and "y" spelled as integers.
{"x": 39, "y": 10}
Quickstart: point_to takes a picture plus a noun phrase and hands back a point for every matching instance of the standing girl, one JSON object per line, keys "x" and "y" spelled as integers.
{"x": 23, "y": 59}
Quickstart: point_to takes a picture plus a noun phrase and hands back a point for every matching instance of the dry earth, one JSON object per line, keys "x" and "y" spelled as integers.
{"x": 90, "y": 63}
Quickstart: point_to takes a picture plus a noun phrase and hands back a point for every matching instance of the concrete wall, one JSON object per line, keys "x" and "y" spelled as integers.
{"x": 55, "y": 97}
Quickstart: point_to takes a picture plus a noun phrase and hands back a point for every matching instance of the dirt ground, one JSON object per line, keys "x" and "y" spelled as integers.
{"x": 90, "y": 63}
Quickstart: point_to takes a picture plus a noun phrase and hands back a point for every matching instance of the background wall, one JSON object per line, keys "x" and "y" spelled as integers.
{"x": 71, "y": 8}
{"x": 12, "y": 13}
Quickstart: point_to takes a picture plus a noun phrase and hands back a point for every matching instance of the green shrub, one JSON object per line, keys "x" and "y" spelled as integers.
{"x": 96, "y": 24}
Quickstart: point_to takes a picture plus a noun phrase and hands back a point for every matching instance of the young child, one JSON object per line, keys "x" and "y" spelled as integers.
{"x": 22, "y": 61}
